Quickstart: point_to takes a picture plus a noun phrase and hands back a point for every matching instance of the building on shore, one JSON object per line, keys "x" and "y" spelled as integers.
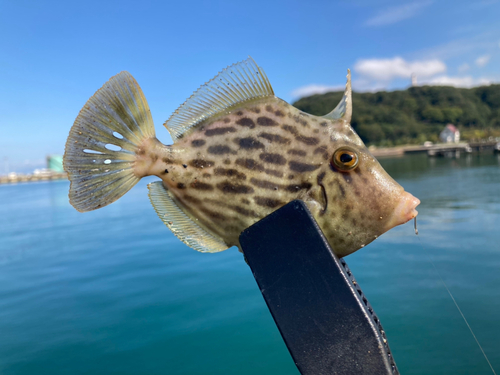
{"x": 450, "y": 134}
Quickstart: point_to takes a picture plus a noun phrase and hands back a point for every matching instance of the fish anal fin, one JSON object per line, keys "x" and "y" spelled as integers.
{"x": 187, "y": 230}
{"x": 234, "y": 85}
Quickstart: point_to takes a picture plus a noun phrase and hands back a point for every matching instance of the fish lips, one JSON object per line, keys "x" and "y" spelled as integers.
{"x": 405, "y": 210}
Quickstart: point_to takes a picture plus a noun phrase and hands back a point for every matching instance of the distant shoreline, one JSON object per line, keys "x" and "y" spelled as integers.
{"x": 15, "y": 178}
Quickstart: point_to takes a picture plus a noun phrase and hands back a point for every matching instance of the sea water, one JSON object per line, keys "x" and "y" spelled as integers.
{"x": 114, "y": 292}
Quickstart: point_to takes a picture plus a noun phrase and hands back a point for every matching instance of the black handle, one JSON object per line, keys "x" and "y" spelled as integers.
{"x": 323, "y": 316}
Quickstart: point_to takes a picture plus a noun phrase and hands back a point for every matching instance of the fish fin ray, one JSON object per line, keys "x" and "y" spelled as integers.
{"x": 235, "y": 84}
{"x": 100, "y": 150}
{"x": 343, "y": 110}
{"x": 187, "y": 230}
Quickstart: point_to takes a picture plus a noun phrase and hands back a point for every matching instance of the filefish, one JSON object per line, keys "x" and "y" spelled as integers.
{"x": 239, "y": 153}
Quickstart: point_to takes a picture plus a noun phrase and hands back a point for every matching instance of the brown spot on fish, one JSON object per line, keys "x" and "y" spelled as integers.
{"x": 302, "y": 167}
{"x": 297, "y": 119}
{"x": 212, "y": 214}
{"x": 264, "y": 184}
{"x": 169, "y": 161}
{"x": 322, "y": 150}
{"x": 275, "y": 138}
{"x": 310, "y": 141}
{"x": 296, "y": 187}
{"x": 255, "y": 109}
{"x": 266, "y": 121}
{"x": 272, "y": 172}
{"x": 219, "y": 150}
{"x": 269, "y": 108}
{"x": 180, "y": 185}
{"x": 249, "y": 164}
{"x": 279, "y": 113}
{"x": 244, "y": 200}
{"x": 249, "y": 143}
{"x": 201, "y": 163}
{"x": 342, "y": 190}
{"x": 227, "y": 161}
{"x": 245, "y": 121}
{"x": 191, "y": 199}
{"x": 229, "y": 173}
{"x": 226, "y": 120}
{"x": 228, "y": 187}
{"x": 291, "y": 129}
{"x": 347, "y": 177}
{"x": 272, "y": 158}
{"x": 201, "y": 185}
{"x": 316, "y": 131}
{"x": 324, "y": 123}
{"x": 206, "y": 175}
{"x": 198, "y": 142}
{"x": 297, "y": 152}
{"x": 239, "y": 113}
{"x": 319, "y": 150}
{"x": 244, "y": 211}
{"x": 268, "y": 202}
{"x": 219, "y": 131}
{"x": 291, "y": 176}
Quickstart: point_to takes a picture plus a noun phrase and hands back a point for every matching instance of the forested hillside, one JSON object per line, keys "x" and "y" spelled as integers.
{"x": 417, "y": 114}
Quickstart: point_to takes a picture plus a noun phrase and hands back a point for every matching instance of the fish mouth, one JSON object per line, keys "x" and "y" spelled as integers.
{"x": 405, "y": 210}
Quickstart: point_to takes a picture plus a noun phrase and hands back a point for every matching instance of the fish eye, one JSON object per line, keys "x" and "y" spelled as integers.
{"x": 345, "y": 159}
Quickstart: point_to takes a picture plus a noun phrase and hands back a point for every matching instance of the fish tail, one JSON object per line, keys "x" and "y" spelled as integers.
{"x": 103, "y": 143}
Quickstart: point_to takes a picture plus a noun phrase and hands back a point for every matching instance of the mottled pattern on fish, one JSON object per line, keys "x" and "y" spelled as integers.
{"x": 233, "y": 164}
{"x": 235, "y": 169}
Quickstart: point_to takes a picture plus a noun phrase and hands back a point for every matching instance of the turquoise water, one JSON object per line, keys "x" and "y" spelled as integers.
{"x": 114, "y": 292}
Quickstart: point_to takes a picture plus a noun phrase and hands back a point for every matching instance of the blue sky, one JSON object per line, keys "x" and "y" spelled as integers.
{"x": 56, "y": 54}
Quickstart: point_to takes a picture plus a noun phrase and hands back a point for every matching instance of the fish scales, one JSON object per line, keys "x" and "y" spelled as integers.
{"x": 234, "y": 162}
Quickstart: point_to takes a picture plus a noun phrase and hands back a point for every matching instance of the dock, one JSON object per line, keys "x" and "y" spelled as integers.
{"x": 15, "y": 178}
{"x": 438, "y": 149}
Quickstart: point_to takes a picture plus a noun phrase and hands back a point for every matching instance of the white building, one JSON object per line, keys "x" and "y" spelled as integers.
{"x": 450, "y": 134}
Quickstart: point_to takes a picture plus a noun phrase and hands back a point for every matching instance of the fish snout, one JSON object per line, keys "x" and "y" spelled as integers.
{"x": 405, "y": 210}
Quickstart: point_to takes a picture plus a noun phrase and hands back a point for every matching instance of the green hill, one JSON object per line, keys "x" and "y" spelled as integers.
{"x": 417, "y": 114}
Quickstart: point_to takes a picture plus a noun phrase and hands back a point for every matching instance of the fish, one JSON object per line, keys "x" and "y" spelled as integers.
{"x": 238, "y": 154}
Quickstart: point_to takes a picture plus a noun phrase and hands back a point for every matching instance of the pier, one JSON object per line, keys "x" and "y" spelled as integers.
{"x": 14, "y": 178}
{"x": 438, "y": 149}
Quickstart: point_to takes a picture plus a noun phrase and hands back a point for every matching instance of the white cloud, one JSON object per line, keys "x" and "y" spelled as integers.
{"x": 396, "y": 14}
{"x": 389, "y": 69}
{"x": 463, "y": 68}
{"x": 371, "y": 75}
{"x": 315, "y": 89}
{"x": 483, "y": 60}
{"x": 465, "y": 81}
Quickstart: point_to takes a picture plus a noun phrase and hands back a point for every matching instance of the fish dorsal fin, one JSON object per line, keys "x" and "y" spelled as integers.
{"x": 236, "y": 84}
{"x": 343, "y": 110}
{"x": 180, "y": 223}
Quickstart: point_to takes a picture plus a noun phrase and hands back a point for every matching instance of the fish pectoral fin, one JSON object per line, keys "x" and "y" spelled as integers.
{"x": 185, "y": 228}
{"x": 236, "y": 84}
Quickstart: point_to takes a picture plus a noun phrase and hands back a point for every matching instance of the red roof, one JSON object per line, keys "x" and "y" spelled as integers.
{"x": 452, "y": 128}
